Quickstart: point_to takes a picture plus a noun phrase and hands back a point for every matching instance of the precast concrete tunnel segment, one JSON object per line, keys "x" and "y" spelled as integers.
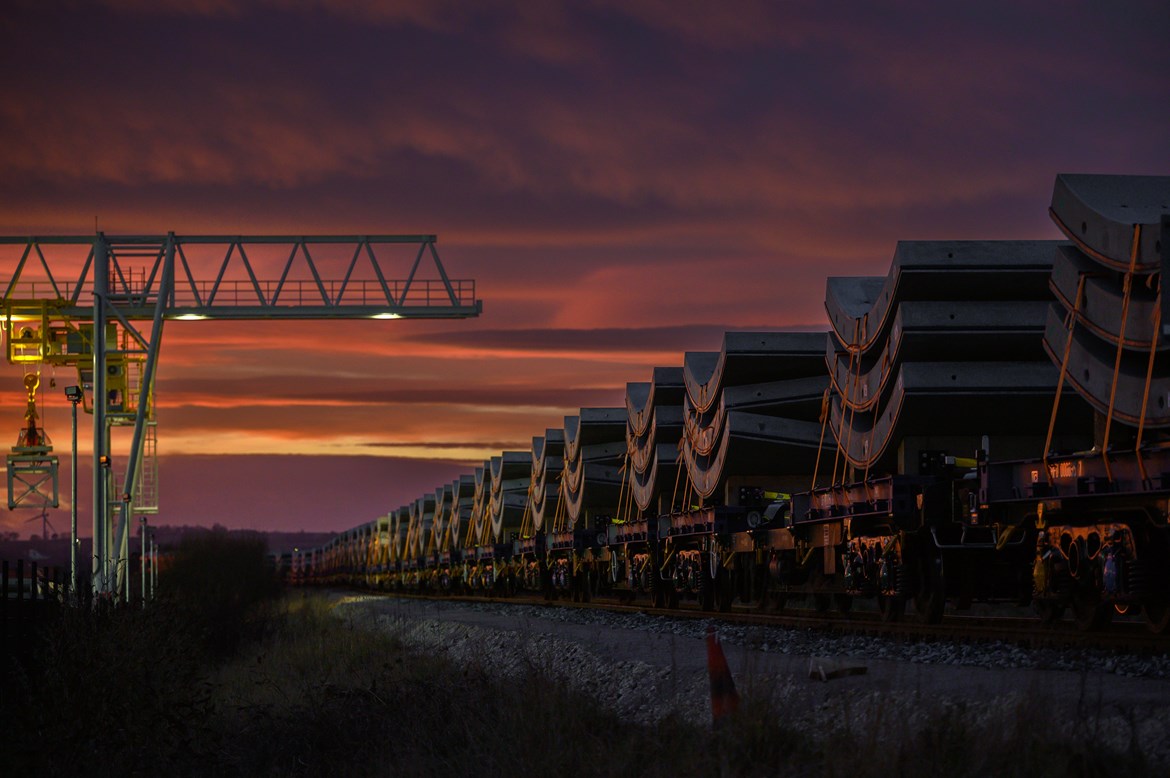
{"x": 654, "y": 429}
{"x": 1103, "y": 329}
{"x": 753, "y": 407}
{"x": 548, "y": 462}
{"x": 952, "y": 332}
{"x": 595, "y": 445}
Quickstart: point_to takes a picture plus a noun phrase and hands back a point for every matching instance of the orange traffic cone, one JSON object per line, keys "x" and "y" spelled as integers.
{"x": 724, "y": 698}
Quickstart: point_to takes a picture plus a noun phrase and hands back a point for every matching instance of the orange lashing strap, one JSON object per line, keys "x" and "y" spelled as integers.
{"x": 1149, "y": 379}
{"x": 821, "y": 444}
{"x": 680, "y": 461}
{"x": 1128, "y": 287}
{"x": 1073, "y": 315}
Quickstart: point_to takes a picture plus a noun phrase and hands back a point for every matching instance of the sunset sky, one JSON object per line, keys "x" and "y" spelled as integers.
{"x": 624, "y": 181}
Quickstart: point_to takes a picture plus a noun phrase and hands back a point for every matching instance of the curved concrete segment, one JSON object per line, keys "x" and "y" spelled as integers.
{"x": 798, "y": 399}
{"x": 1100, "y": 212}
{"x": 760, "y": 397}
{"x": 462, "y": 500}
{"x": 638, "y": 408}
{"x": 667, "y": 386}
{"x": 1101, "y": 300}
{"x": 443, "y": 498}
{"x": 593, "y": 425}
{"x": 548, "y": 453}
{"x": 511, "y": 478}
{"x": 666, "y": 427}
{"x": 948, "y": 398}
{"x": 422, "y": 517}
{"x": 1090, "y": 370}
{"x": 795, "y": 398}
{"x": 595, "y": 447}
{"x": 654, "y": 428}
{"x": 399, "y": 530}
{"x": 751, "y": 358}
{"x": 479, "y": 525}
{"x": 750, "y": 444}
{"x": 591, "y": 489}
{"x": 861, "y": 310}
{"x": 660, "y": 475}
{"x": 925, "y": 331}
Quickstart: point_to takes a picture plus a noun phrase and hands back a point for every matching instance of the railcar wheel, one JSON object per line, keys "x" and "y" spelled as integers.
{"x": 706, "y": 584}
{"x": 659, "y": 588}
{"x": 891, "y": 607}
{"x": 931, "y": 599}
{"x": 1049, "y": 611}
{"x": 1157, "y": 616}
{"x": 763, "y": 591}
{"x": 821, "y": 583}
{"x": 1089, "y": 612}
{"x": 724, "y": 590}
{"x": 844, "y": 602}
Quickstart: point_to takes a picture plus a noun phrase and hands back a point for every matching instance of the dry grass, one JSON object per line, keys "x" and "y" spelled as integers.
{"x": 310, "y": 694}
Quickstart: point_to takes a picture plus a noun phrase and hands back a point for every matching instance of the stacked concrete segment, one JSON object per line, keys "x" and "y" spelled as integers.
{"x": 459, "y": 513}
{"x": 443, "y": 496}
{"x": 511, "y": 473}
{"x": 479, "y": 525}
{"x": 942, "y": 351}
{"x": 1104, "y": 332}
{"x": 548, "y": 461}
{"x": 422, "y": 519}
{"x": 595, "y": 446}
{"x": 751, "y": 410}
{"x": 399, "y": 528}
{"x": 380, "y": 545}
{"x": 654, "y": 428}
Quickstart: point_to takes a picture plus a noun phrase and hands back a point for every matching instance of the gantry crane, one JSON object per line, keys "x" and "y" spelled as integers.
{"x": 95, "y": 324}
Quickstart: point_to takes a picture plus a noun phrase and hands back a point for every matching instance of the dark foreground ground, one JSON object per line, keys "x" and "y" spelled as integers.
{"x": 322, "y": 685}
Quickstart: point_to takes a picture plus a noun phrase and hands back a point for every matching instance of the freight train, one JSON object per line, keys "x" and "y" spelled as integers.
{"x": 986, "y": 422}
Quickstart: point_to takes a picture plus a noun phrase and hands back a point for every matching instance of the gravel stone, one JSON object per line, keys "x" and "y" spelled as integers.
{"x": 647, "y": 666}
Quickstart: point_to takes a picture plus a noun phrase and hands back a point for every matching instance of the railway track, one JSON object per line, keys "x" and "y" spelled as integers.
{"x": 1127, "y": 635}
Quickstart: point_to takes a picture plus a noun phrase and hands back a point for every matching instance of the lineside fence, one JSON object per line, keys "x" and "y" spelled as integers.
{"x": 33, "y": 596}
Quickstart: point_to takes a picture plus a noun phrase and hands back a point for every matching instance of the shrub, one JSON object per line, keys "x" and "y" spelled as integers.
{"x": 215, "y": 584}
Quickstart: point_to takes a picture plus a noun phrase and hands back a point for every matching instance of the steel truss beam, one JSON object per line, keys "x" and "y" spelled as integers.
{"x": 199, "y": 289}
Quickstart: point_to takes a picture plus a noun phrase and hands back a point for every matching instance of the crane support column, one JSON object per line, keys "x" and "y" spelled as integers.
{"x": 164, "y": 294}
{"x": 101, "y": 532}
